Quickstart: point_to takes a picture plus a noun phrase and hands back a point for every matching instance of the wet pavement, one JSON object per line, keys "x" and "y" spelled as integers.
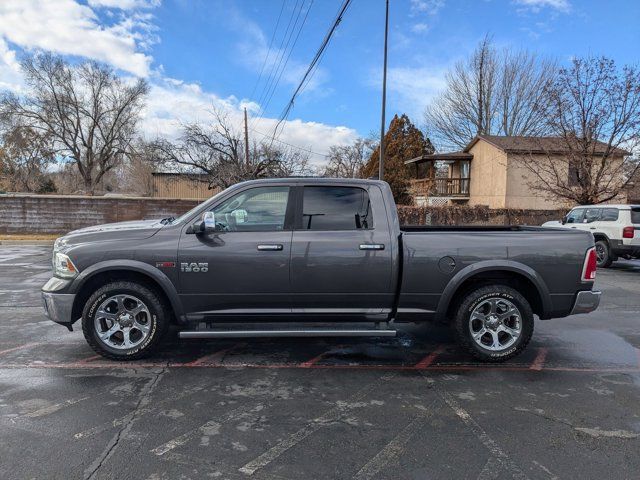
{"x": 409, "y": 407}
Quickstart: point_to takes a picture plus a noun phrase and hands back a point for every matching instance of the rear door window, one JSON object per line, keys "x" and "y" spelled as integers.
{"x": 609, "y": 215}
{"x": 592, "y": 215}
{"x": 336, "y": 208}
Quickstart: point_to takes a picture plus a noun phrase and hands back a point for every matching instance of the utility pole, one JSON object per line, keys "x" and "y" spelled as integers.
{"x": 384, "y": 92}
{"x": 246, "y": 139}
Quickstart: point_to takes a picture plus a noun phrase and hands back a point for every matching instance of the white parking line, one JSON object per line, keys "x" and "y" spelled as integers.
{"x": 394, "y": 449}
{"x": 484, "y": 438}
{"x": 314, "y": 425}
{"x": 234, "y": 414}
{"x": 41, "y": 412}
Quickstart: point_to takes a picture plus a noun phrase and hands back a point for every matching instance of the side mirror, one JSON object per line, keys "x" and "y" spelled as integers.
{"x": 206, "y": 225}
{"x": 563, "y": 220}
{"x": 208, "y": 222}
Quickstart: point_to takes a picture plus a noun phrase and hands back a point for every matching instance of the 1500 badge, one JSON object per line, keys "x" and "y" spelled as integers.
{"x": 194, "y": 267}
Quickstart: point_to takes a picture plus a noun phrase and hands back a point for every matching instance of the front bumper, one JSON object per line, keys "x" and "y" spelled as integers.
{"x": 59, "y": 307}
{"x": 586, "y": 301}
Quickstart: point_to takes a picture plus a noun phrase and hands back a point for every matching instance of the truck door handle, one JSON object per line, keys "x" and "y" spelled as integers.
{"x": 592, "y": 228}
{"x": 372, "y": 246}
{"x": 269, "y": 248}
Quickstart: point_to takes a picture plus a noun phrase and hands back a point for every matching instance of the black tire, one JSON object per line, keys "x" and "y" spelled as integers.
{"x": 473, "y": 299}
{"x": 604, "y": 254}
{"x": 158, "y": 321}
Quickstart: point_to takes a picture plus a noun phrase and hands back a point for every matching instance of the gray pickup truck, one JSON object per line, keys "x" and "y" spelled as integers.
{"x": 311, "y": 253}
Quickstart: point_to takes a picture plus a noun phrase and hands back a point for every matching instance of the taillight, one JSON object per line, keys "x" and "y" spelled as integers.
{"x": 590, "y": 265}
{"x": 627, "y": 232}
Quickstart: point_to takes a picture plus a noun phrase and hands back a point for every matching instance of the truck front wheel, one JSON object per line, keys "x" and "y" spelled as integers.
{"x": 124, "y": 320}
{"x": 494, "y": 323}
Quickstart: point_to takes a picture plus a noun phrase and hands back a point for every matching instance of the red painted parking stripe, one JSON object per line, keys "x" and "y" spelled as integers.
{"x": 538, "y": 362}
{"x": 446, "y": 368}
{"x": 317, "y": 358}
{"x": 27, "y": 345}
{"x": 89, "y": 359}
{"x": 313, "y": 361}
{"x": 429, "y": 359}
{"x": 213, "y": 358}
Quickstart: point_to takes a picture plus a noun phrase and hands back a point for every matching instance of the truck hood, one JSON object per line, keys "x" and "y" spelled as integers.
{"x": 138, "y": 229}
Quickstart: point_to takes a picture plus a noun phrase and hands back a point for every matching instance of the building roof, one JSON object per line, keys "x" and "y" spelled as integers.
{"x": 544, "y": 145}
{"x": 434, "y": 157}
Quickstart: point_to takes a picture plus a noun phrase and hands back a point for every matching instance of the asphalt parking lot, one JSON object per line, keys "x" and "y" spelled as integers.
{"x": 409, "y": 407}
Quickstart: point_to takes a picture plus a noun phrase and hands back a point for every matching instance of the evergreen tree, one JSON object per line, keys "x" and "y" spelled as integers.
{"x": 403, "y": 141}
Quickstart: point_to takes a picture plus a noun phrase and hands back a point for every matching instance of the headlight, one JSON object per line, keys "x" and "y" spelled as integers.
{"x": 63, "y": 267}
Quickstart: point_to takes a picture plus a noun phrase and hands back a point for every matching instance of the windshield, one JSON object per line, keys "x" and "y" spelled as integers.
{"x": 186, "y": 215}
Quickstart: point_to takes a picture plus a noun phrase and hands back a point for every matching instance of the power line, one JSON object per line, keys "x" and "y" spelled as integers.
{"x": 312, "y": 65}
{"x": 291, "y": 145}
{"x": 286, "y": 37}
{"x": 264, "y": 62}
{"x": 295, "y": 41}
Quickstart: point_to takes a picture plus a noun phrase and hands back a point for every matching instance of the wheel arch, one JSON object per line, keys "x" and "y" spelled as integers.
{"x": 514, "y": 274}
{"x": 101, "y": 273}
{"x": 601, "y": 236}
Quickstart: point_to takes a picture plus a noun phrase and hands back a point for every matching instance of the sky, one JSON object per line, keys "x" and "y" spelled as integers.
{"x": 224, "y": 54}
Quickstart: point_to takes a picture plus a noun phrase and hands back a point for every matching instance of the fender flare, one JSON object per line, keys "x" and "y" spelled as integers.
{"x": 133, "y": 266}
{"x": 493, "y": 265}
{"x": 601, "y": 234}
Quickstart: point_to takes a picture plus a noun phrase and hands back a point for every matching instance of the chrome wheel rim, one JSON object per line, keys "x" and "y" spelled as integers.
{"x": 600, "y": 253}
{"x": 122, "y": 322}
{"x": 495, "y": 324}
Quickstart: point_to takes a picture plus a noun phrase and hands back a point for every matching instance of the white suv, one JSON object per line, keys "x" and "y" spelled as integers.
{"x": 615, "y": 228}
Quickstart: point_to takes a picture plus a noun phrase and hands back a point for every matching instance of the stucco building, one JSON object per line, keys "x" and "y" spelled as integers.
{"x": 490, "y": 171}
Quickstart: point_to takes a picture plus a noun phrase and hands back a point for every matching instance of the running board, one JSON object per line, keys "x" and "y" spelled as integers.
{"x": 312, "y": 332}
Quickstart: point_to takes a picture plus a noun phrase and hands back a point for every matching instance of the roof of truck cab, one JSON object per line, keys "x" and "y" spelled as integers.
{"x": 315, "y": 180}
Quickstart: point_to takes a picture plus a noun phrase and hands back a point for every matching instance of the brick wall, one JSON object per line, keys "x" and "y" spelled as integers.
{"x": 53, "y": 214}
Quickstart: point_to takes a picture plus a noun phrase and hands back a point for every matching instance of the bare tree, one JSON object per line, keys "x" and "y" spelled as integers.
{"x": 348, "y": 161}
{"x": 217, "y": 150}
{"x": 491, "y": 93}
{"x": 593, "y": 109}
{"x": 25, "y": 156}
{"x": 284, "y": 161}
{"x": 522, "y": 83}
{"x": 87, "y": 111}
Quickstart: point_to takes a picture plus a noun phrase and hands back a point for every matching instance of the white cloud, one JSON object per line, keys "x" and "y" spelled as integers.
{"x": 415, "y": 87}
{"x": 69, "y": 28}
{"x": 10, "y": 76}
{"x": 537, "y": 5}
{"x": 430, "y": 7}
{"x": 420, "y": 28}
{"x": 124, "y": 4}
{"x": 172, "y": 103}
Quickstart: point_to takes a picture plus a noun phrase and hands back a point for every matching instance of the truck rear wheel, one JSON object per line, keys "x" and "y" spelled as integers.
{"x": 124, "y": 320}
{"x": 494, "y": 323}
